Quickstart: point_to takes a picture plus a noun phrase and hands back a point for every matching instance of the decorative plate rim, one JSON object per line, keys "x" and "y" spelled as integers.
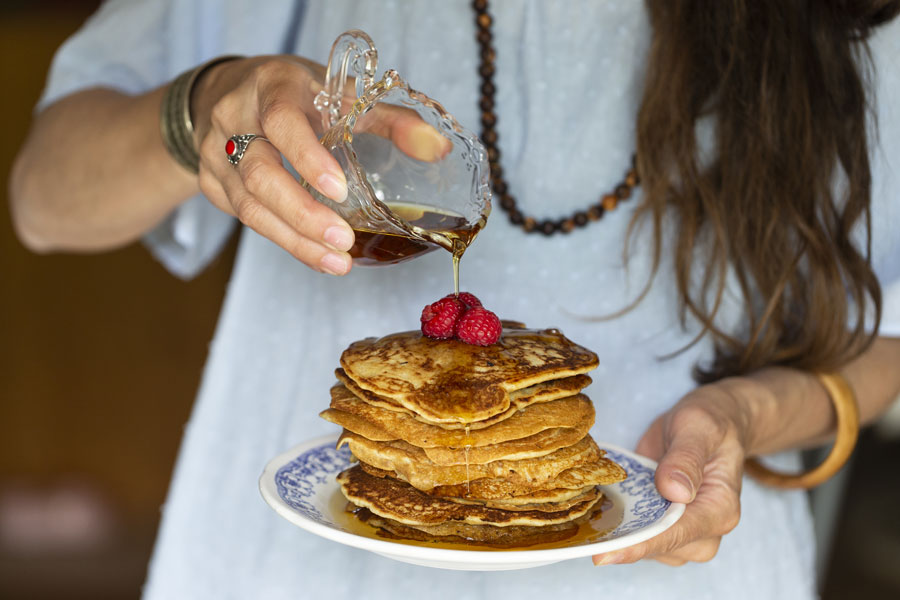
{"x": 268, "y": 489}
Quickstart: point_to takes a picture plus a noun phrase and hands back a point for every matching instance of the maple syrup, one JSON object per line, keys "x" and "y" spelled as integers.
{"x": 602, "y": 523}
{"x": 437, "y": 230}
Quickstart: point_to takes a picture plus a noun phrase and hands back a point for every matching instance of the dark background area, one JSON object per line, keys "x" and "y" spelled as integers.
{"x": 100, "y": 358}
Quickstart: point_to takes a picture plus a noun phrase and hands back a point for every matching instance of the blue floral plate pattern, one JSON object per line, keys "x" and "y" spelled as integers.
{"x": 300, "y": 486}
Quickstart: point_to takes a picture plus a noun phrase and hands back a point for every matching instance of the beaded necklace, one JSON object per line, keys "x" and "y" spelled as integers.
{"x": 508, "y": 203}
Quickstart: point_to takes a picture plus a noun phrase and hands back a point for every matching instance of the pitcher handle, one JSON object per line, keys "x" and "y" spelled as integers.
{"x": 353, "y": 53}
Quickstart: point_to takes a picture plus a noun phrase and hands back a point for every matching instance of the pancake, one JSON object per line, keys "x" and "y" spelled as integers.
{"x": 584, "y": 496}
{"x": 601, "y": 472}
{"x": 412, "y": 465}
{"x": 542, "y": 392}
{"x": 534, "y": 446}
{"x": 399, "y": 501}
{"x": 498, "y": 490}
{"x": 575, "y": 412}
{"x": 449, "y": 381}
{"x": 480, "y": 535}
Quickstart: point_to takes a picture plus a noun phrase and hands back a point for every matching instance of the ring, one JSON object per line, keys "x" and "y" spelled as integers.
{"x": 237, "y": 145}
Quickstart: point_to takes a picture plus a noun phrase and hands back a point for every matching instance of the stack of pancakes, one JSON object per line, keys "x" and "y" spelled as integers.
{"x": 461, "y": 443}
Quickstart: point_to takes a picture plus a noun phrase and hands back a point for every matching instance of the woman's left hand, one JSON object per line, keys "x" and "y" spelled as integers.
{"x": 700, "y": 446}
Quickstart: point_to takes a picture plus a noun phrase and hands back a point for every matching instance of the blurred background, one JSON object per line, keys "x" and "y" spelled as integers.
{"x": 100, "y": 358}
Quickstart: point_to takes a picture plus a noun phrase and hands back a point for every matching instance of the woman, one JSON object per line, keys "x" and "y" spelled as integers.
{"x": 746, "y": 252}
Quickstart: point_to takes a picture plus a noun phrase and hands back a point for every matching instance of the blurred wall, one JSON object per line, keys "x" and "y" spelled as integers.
{"x": 100, "y": 357}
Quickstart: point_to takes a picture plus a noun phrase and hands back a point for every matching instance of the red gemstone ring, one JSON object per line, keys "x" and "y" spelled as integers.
{"x": 237, "y": 145}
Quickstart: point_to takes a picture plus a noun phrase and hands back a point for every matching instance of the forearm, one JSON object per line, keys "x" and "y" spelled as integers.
{"x": 787, "y": 408}
{"x": 94, "y": 174}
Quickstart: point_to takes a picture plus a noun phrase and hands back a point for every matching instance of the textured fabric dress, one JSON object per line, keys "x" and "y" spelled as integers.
{"x": 569, "y": 77}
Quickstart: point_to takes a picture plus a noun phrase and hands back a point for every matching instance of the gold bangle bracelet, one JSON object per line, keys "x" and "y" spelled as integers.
{"x": 175, "y": 122}
{"x": 847, "y": 411}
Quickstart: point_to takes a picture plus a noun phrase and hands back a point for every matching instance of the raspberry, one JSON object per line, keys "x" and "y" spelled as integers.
{"x": 439, "y": 319}
{"x": 479, "y": 326}
{"x": 468, "y": 300}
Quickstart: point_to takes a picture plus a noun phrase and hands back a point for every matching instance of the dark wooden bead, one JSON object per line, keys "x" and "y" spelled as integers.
{"x": 488, "y": 119}
{"x": 484, "y": 37}
{"x": 486, "y": 104}
{"x": 488, "y": 89}
{"x": 623, "y": 192}
{"x": 479, "y": 5}
{"x": 484, "y": 20}
{"x": 507, "y": 202}
{"x": 493, "y": 154}
{"x": 489, "y": 136}
{"x": 486, "y": 70}
{"x": 580, "y": 218}
{"x": 548, "y": 227}
{"x": 515, "y": 217}
{"x": 529, "y": 224}
{"x": 567, "y": 225}
{"x": 499, "y": 186}
{"x": 595, "y": 213}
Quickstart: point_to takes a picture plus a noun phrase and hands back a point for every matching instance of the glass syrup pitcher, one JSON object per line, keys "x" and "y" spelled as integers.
{"x": 416, "y": 179}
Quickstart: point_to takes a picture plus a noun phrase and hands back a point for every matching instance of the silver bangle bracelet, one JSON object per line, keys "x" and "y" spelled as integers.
{"x": 175, "y": 122}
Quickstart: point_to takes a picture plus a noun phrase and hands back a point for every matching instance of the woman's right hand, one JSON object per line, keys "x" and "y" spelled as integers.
{"x": 273, "y": 97}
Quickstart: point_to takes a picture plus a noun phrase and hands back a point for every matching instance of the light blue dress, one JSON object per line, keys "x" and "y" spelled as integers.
{"x": 569, "y": 77}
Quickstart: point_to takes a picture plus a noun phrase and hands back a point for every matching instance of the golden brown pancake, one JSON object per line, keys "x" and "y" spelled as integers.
{"x": 588, "y": 495}
{"x": 498, "y": 490}
{"x": 410, "y": 464}
{"x": 394, "y": 499}
{"x": 449, "y": 381}
{"x": 480, "y": 535}
{"x": 545, "y": 391}
{"x": 534, "y": 446}
{"x": 575, "y": 412}
{"x": 600, "y": 472}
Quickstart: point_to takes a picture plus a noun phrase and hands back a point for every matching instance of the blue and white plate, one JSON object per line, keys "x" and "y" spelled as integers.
{"x": 300, "y": 485}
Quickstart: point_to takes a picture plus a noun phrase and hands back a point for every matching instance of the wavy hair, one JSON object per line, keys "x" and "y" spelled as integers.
{"x": 778, "y": 205}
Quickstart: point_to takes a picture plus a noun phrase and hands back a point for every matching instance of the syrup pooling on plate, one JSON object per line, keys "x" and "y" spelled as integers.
{"x": 601, "y": 524}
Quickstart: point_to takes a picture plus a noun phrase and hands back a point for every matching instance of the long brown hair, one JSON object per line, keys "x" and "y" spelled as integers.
{"x": 784, "y": 82}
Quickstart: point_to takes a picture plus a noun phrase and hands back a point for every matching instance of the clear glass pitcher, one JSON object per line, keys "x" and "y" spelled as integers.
{"x": 417, "y": 180}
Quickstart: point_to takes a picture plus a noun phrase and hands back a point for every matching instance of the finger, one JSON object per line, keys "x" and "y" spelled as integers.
{"x": 714, "y": 513}
{"x": 669, "y": 560}
{"x": 691, "y": 436}
{"x": 700, "y": 551}
{"x": 284, "y": 89}
{"x": 409, "y": 132}
{"x": 262, "y": 174}
{"x": 259, "y": 218}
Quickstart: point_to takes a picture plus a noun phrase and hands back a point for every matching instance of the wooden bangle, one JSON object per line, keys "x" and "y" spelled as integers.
{"x": 847, "y": 411}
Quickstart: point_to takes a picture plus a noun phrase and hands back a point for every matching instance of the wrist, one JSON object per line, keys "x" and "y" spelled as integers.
{"x": 175, "y": 119}
{"x": 210, "y": 85}
{"x": 783, "y": 408}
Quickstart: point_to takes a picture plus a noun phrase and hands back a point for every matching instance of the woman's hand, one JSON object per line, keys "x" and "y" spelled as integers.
{"x": 700, "y": 446}
{"x": 273, "y": 97}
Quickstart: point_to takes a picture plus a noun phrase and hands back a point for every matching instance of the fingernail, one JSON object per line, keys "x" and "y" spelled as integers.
{"x": 684, "y": 481}
{"x": 332, "y": 186}
{"x": 339, "y": 238}
{"x": 335, "y": 264}
{"x": 607, "y": 559}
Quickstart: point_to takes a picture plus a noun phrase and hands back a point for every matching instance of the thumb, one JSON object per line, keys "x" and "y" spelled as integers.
{"x": 692, "y": 440}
